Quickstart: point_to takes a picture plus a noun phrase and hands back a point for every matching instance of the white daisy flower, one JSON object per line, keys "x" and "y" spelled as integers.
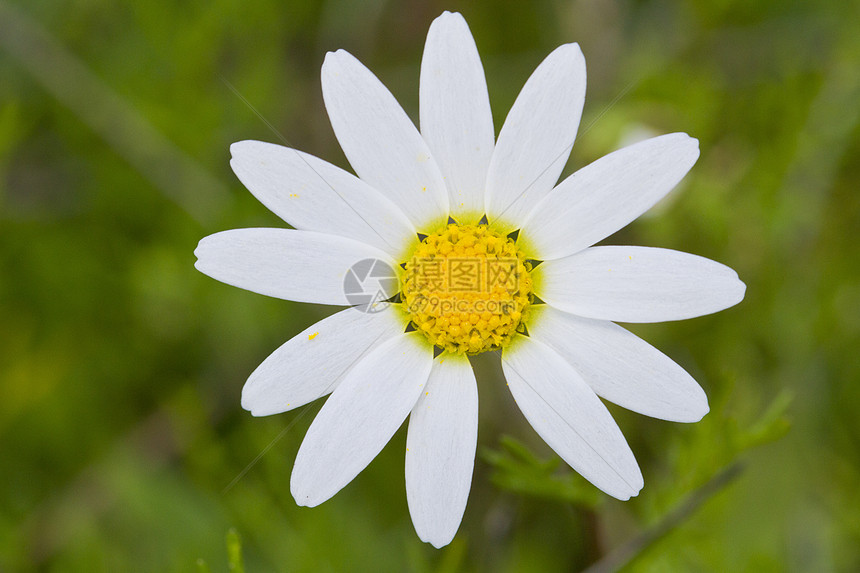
{"x": 486, "y": 252}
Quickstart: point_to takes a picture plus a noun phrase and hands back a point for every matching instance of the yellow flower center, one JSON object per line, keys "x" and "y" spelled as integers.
{"x": 467, "y": 289}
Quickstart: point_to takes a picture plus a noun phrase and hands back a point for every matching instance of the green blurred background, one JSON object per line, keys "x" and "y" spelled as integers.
{"x": 123, "y": 446}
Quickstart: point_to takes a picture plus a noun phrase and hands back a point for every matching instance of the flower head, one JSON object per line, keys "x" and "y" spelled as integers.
{"x": 471, "y": 246}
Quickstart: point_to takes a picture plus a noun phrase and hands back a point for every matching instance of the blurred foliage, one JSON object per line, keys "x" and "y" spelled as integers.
{"x": 717, "y": 443}
{"x": 121, "y": 434}
{"x": 518, "y": 470}
{"x": 234, "y": 555}
{"x": 716, "y": 448}
{"x": 234, "y": 552}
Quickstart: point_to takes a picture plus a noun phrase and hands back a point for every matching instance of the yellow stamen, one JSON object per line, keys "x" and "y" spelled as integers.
{"x": 467, "y": 288}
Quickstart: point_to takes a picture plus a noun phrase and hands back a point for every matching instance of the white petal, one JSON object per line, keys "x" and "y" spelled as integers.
{"x": 313, "y": 363}
{"x": 440, "y": 450}
{"x": 570, "y": 417}
{"x": 360, "y": 417}
{"x": 637, "y": 284}
{"x": 608, "y": 194}
{"x": 537, "y": 137}
{"x": 380, "y": 141}
{"x": 619, "y": 366}
{"x": 294, "y": 265}
{"x": 456, "y": 120}
{"x": 314, "y": 195}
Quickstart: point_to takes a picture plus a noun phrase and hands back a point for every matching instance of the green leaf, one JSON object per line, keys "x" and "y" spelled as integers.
{"x": 518, "y": 470}
{"x": 771, "y": 426}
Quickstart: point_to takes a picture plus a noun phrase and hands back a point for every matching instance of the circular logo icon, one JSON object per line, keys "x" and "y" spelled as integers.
{"x": 369, "y": 284}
